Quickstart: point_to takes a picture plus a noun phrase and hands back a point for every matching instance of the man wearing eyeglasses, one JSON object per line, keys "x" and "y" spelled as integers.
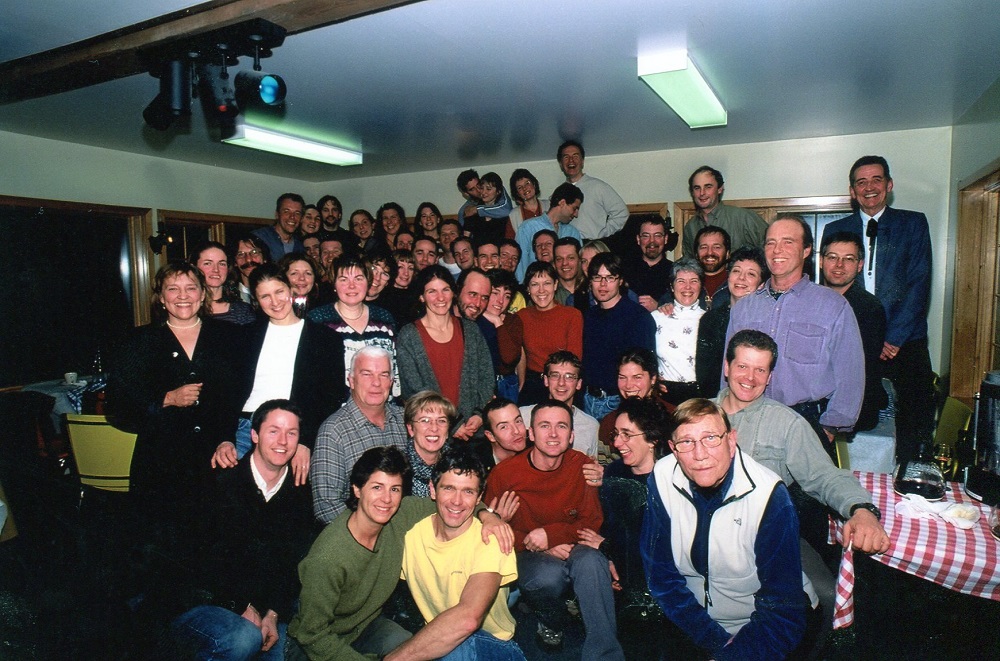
{"x": 614, "y": 324}
{"x": 720, "y": 543}
{"x": 843, "y": 261}
{"x": 649, "y": 274}
{"x": 562, "y": 377}
{"x": 282, "y": 237}
{"x": 250, "y": 253}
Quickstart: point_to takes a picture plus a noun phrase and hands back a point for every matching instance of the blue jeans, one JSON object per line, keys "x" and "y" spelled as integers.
{"x": 507, "y": 387}
{"x": 598, "y": 407}
{"x": 381, "y": 637}
{"x": 217, "y": 634}
{"x": 545, "y": 580}
{"x": 243, "y": 441}
{"x": 482, "y": 646}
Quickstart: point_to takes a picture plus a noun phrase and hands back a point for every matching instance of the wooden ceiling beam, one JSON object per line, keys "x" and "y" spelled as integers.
{"x": 115, "y": 54}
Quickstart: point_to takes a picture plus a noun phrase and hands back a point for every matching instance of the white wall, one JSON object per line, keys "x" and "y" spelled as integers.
{"x": 920, "y": 161}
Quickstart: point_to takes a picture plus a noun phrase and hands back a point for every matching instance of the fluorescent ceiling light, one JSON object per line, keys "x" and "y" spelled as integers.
{"x": 254, "y": 137}
{"x": 678, "y": 82}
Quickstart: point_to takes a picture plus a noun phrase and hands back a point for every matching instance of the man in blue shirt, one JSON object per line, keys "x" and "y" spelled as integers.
{"x": 565, "y": 201}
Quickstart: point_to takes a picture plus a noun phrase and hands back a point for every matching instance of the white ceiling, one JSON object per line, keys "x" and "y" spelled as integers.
{"x": 459, "y": 83}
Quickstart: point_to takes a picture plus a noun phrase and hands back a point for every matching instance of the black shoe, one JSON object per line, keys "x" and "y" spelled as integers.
{"x": 548, "y": 640}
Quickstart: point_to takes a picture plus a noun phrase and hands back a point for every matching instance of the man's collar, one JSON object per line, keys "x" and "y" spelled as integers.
{"x": 261, "y": 482}
{"x": 878, "y": 215}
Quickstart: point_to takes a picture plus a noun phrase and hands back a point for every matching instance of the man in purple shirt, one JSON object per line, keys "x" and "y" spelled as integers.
{"x": 821, "y": 374}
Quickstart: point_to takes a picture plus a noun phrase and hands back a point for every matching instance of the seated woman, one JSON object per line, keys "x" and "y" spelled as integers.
{"x": 496, "y": 226}
{"x": 546, "y": 327}
{"x": 747, "y": 270}
{"x": 286, "y": 357}
{"x": 641, "y": 430}
{"x": 358, "y": 323}
{"x": 223, "y": 301}
{"x": 301, "y": 270}
{"x": 677, "y": 333}
{"x": 637, "y": 377}
{"x": 446, "y": 354}
{"x": 524, "y": 188}
{"x": 428, "y": 418}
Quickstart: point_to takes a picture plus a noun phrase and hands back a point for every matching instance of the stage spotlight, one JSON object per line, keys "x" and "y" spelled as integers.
{"x": 217, "y": 90}
{"x": 174, "y": 99}
{"x": 161, "y": 240}
{"x": 255, "y": 87}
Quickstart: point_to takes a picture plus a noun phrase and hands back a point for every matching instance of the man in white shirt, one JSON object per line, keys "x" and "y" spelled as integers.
{"x": 603, "y": 211}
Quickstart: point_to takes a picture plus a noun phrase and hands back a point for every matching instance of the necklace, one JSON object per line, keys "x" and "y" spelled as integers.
{"x": 197, "y": 323}
{"x": 345, "y": 317}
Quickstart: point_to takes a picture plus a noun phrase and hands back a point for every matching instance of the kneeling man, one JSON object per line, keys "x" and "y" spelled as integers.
{"x": 720, "y": 543}
{"x": 455, "y": 579}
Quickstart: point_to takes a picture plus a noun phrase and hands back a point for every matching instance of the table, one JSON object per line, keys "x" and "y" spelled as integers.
{"x": 68, "y": 397}
{"x": 961, "y": 560}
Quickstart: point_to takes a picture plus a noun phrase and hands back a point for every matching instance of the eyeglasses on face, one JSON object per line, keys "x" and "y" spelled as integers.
{"x": 683, "y": 445}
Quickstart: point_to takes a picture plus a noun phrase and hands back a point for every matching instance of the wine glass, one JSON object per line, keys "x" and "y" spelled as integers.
{"x": 945, "y": 459}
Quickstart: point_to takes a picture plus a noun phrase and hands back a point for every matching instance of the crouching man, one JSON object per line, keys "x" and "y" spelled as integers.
{"x": 457, "y": 581}
{"x": 720, "y": 543}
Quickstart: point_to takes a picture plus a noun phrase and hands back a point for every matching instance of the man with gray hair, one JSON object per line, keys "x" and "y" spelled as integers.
{"x": 366, "y": 421}
{"x": 677, "y": 332}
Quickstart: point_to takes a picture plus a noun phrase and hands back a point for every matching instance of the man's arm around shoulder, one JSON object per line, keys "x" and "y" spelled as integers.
{"x": 450, "y": 629}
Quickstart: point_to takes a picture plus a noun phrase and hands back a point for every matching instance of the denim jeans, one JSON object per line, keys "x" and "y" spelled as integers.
{"x": 217, "y": 634}
{"x": 243, "y": 441}
{"x": 482, "y": 646}
{"x": 545, "y": 580}
{"x": 507, "y": 387}
{"x": 598, "y": 407}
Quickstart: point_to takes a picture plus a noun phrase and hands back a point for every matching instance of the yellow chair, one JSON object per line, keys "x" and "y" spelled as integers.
{"x": 103, "y": 454}
{"x": 954, "y": 419}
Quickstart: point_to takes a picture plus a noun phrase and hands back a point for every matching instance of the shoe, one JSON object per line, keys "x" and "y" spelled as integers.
{"x": 549, "y": 640}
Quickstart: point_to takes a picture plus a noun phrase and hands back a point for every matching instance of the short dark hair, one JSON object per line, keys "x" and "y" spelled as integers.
{"x": 256, "y": 242}
{"x": 568, "y": 241}
{"x": 434, "y": 272}
{"x": 714, "y": 229}
{"x": 330, "y": 198}
{"x": 464, "y": 275}
{"x": 719, "y": 182}
{"x": 570, "y": 143}
{"x": 650, "y": 417}
{"x": 495, "y": 404}
{"x": 545, "y": 232}
{"x": 499, "y": 278}
{"x": 537, "y": 268}
{"x": 461, "y": 459}
{"x": 869, "y": 160}
{"x": 644, "y": 358}
{"x": 523, "y": 173}
{"x": 609, "y": 260}
{"x": 450, "y": 221}
{"x": 351, "y": 260}
{"x": 511, "y": 243}
{"x": 653, "y": 219}
{"x": 565, "y": 192}
{"x": 843, "y": 237}
{"x": 560, "y": 357}
{"x": 464, "y": 177}
{"x": 265, "y": 409}
{"x": 552, "y": 404}
{"x": 493, "y": 179}
{"x": 486, "y": 242}
{"x": 751, "y": 254}
{"x": 460, "y": 239}
{"x": 387, "y": 459}
{"x": 294, "y": 197}
{"x": 807, "y": 233}
{"x": 753, "y": 339}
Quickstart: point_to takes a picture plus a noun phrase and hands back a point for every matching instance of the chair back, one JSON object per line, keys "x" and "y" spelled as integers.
{"x": 954, "y": 419}
{"x": 103, "y": 454}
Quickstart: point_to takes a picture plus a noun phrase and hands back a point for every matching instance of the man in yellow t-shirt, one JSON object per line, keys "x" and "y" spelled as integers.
{"x": 454, "y": 578}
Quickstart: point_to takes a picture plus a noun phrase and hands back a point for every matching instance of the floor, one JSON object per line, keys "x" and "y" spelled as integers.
{"x": 68, "y": 588}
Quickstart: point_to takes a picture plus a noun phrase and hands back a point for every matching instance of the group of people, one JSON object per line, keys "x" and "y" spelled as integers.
{"x": 533, "y": 395}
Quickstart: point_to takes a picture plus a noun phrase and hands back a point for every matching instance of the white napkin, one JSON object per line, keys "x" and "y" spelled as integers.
{"x": 957, "y": 514}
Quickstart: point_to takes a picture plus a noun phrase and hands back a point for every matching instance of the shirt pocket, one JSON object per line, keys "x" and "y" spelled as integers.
{"x": 805, "y": 344}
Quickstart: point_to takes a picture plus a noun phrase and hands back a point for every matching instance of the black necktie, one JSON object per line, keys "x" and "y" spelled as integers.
{"x": 872, "y": 234}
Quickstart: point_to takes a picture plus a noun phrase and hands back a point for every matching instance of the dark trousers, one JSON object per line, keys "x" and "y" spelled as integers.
{"x": 911, "y": 375}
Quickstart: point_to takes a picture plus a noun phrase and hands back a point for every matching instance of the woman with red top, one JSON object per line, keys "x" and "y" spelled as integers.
{"x": 445, "y": 353}
{"x": 547, "y": 327}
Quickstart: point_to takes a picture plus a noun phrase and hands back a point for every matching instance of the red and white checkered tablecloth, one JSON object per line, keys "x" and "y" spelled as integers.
{"x": 961, "y": 560}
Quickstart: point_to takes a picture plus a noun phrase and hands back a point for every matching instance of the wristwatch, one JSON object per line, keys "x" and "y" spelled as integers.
{"x": 867, "y": 506}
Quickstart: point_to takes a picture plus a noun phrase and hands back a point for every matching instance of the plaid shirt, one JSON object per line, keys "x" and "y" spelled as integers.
{"x": 342, "y": 439}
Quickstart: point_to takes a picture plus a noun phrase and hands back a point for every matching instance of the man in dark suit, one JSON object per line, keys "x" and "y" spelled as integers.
{"x": 843, "y": 261}
{"x": 898, "y": 271}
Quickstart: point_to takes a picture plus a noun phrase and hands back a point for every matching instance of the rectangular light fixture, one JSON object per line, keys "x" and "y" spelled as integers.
{"x": 678, "y": 82}
{"x": 254, "y": 137}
